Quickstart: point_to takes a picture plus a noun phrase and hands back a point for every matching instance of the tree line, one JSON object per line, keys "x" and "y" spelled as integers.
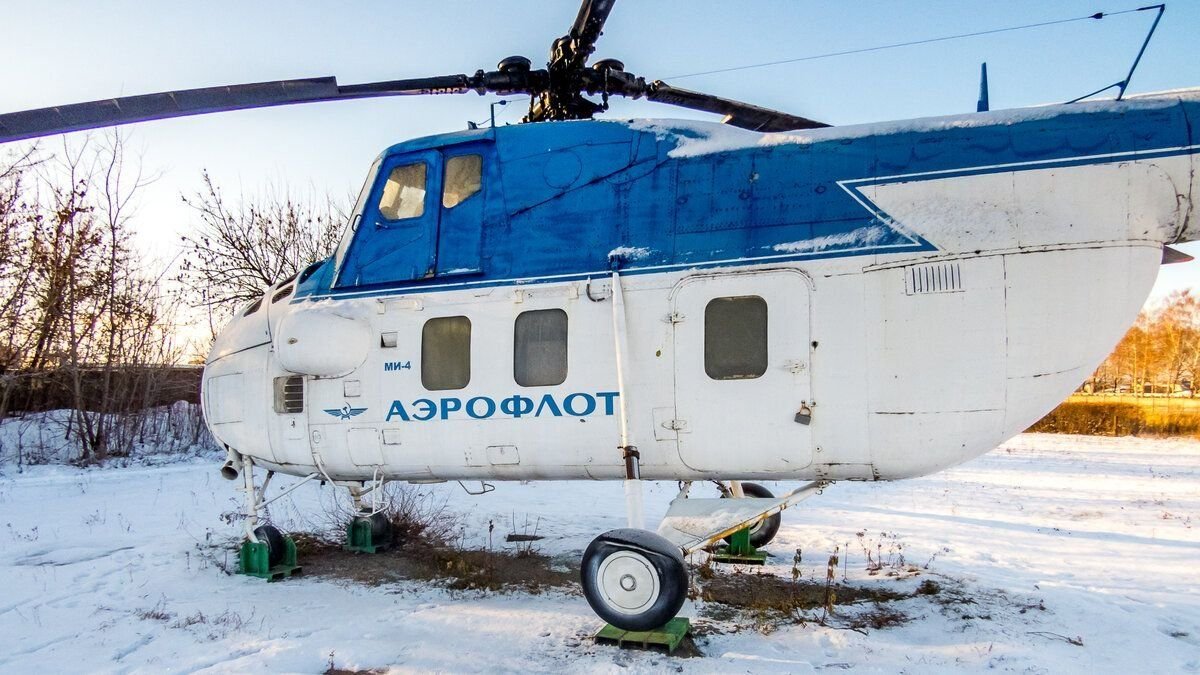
{"x": 90, "y": 323}
{"x": 1159, "y": 355}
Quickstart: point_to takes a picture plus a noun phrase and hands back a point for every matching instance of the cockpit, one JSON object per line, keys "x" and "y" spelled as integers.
{"x": 419, "y": 215}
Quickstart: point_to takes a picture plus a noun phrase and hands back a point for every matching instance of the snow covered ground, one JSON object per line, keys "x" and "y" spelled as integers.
{"x": 1050, "y": 541}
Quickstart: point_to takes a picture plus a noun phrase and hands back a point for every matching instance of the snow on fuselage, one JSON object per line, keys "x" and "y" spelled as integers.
{"x": 870, "y": 302}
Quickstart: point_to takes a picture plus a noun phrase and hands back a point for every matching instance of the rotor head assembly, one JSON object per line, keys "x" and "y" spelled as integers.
{"x": 559, "y": 91}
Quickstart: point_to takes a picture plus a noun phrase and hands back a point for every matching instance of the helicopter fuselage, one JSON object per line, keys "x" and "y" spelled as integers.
{"x": 857, "y": 303}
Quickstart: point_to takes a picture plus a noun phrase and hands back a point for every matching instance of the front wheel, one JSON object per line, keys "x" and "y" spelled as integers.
{"x": 276, "y": 546}
{"x": 634, "y": 579}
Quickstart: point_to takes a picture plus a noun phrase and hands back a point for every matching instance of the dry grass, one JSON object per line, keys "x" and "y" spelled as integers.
{"x": 767, "y": 592}
{"x": 427, "y": 546}
{"x": 765, "y": 602}
{"x": 1123, "y": 416}
{"x": 446, "y": 565}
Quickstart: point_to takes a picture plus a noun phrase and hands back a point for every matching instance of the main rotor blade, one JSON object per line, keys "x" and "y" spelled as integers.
{"x": 737, "y": 113}
{"x": 128, "y": 109}
{"x": 588, "y": 26}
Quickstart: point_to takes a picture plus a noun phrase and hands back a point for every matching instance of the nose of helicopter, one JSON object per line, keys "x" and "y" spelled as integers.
{"x": 237, "y": 360}
{"x": 248, "y": 328}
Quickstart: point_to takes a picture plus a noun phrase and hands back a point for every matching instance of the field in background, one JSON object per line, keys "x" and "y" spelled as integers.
{"x": 1123, "y": 415}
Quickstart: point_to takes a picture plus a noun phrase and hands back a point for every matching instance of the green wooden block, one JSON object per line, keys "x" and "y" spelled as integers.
{"x": 722, "y": 555}
{"x": 252, "y": 558}
{"x": 668, "y": 636}
{"x": 358, "y": 536}
{"x": 739, "y": 551}
{"x": 253, "y": 561}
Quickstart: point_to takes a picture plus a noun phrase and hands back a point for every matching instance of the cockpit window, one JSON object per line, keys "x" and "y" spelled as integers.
{"x": 464, "y": 177}
{"x": 404, "y": 193}
{"x": 355, "y": 216}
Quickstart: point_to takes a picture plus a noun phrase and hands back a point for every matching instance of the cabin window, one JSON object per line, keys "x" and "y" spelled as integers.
{"x": 464, "y": 177}
{"x": 735, "y": 338}
{"x": 404, "y": 193}
{"x": 540, "y": 348}
{"x": 446, "y": 353}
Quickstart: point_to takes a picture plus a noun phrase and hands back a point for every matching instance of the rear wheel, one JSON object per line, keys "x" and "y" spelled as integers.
{"x": 634, "y": 579}
{"x": 381, "y": 530}
{"x": 762, "y": 532}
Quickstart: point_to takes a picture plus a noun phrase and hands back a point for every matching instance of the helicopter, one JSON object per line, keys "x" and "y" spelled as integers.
{"x": 765, "y": 298}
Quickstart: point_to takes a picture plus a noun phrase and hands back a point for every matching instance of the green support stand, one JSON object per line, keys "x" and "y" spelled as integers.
{"x": 667, "y": 636}
{"x": 254, "y": 561}
{"x": 359, "y": 537}
{"x": 740, "y": 551}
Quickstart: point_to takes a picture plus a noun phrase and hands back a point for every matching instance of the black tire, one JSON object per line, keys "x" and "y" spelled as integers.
{"x": 273, "y": 538}
{"x": 766, "y": 529}
{"x": 636, "y": 557}
{"x": 381, "y": 530}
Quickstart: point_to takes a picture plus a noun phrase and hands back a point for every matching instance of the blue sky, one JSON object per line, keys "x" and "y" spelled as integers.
{"x": 63, "y": 52}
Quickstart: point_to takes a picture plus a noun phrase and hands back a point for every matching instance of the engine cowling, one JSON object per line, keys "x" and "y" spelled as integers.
{"x": 317, "y": 341}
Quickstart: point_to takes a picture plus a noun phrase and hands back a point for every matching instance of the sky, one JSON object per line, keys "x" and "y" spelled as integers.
{"x": 66, "y": 52}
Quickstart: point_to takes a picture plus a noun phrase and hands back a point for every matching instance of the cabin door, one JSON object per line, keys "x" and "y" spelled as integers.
{"x": 742, "y": 372}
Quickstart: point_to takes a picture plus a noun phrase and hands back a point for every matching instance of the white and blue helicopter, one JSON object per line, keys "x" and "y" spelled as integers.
{"x": 767, "y": 298}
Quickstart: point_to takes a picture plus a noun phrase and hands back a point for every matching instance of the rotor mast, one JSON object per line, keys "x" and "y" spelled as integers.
{"x": 566, "y": 74}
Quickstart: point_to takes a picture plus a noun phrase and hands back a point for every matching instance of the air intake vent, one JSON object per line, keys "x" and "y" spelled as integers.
{"x": 289, "y": 394}
{"x": 939, "y": 278}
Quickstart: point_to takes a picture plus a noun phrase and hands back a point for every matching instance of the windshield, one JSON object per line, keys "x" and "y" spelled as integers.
{"x": 355, "y": 217}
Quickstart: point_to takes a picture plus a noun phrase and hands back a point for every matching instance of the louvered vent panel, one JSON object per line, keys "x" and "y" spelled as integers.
{"x": 936, "y": 278}
{"x": 289, "y": 394}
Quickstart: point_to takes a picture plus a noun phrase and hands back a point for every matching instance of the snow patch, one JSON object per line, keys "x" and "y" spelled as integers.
{"x": 125, "y": 570}
{"x": 166, "y": 434}
{"x": 629, "y": 253}
{"x": 699, "y": 138}
{"x": 693, "y": 138}
{"x": 863, "y": 236}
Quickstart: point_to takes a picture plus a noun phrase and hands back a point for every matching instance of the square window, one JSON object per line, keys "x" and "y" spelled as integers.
{"x": 464, "y": 177}
{"x": 735, "y": 338}
{"x": 404, "y": 193}
{"x": 540, "y": 348}
{"x": 446, "y": 353}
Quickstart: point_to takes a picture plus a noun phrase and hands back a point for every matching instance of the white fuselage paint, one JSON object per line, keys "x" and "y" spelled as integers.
{"x": 909, "y": 363}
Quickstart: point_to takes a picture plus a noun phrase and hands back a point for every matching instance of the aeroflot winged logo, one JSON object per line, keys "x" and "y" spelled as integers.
{"x": 345, "y": 412}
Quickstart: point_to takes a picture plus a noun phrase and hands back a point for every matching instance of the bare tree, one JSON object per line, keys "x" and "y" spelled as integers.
{"x": 240, "y": 249}
{"x": 15, "y": 272}
{"x": 1177, "y": 333}
{"x": 1160, "y": 353}
{"x": 85, "y": 323}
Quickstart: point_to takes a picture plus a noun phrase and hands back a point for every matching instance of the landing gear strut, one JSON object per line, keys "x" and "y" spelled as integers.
{"x": 741, "y": 547}
{"x": 634, "y": 579}
{"x": 370, "y": 531}
{"x": 266, "y": 553}
{"x": 762, "y": 532}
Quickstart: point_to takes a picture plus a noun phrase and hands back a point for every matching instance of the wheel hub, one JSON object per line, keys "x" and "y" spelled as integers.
{"x": 628, "y": 582}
